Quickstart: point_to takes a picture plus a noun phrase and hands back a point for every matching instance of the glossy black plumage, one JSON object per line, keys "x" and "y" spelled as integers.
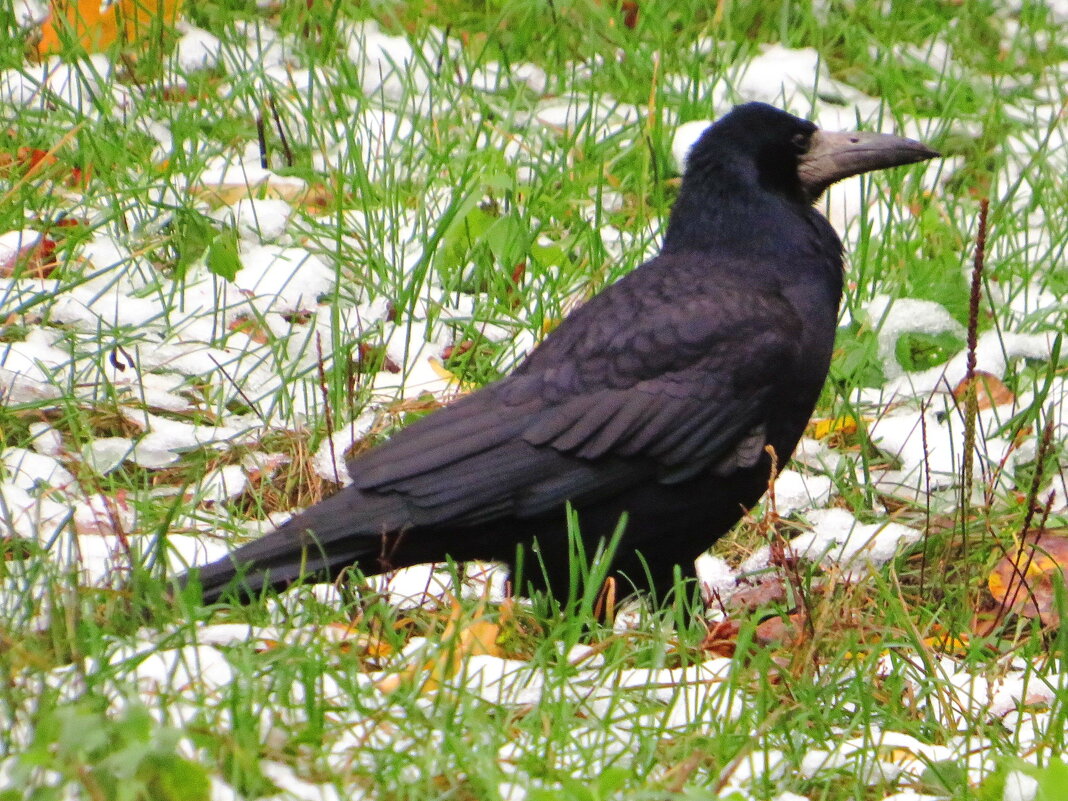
{"x": 657, "y": 398}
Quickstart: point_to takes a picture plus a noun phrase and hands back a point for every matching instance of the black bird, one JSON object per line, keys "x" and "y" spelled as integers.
{"x": 661, "y": 398}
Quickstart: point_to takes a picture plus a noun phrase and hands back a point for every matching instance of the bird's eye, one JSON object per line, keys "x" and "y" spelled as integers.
{"x": 800, "y": 142}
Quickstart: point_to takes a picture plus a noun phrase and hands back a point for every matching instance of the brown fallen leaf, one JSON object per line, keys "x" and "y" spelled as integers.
{"x": 372, "y": 358}
{"x": 781, "y": 630}
{"x": 1023, "y": 580}
{"x": 768, "y": 590}
{"x": 251, "y": 327}
{"x": 990, "y": 391}
{"x": 722, "y": 638}
{"x": 36, "y": 260}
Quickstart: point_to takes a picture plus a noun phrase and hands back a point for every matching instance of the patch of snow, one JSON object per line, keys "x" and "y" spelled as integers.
{"x": 33, "y": 471}
{"x": 685, "y": 137}
{"x": 837, "y": 538}
{"x": 717, "y": 578}
{"x": 221, "y": 484}
{"x": 796, "y": 491}
{"x": 104, "y": 454}
{"x": 598, "y": 120}
{"x": 257, "y": 220}
{"x": 993, "y": 353}
{"x": 26, "y": 517}
{"x": 329, "y": 460}
{"x": 894, "y": 317}
{"x": 15, "y": 245}
{"x": 289, "y": 278}
{"x": 501, "y": 681}
{"x": 1019, "y": 787}
{"x": 46, "y": 439}
{"x": 100, "y": 517}
{"x": 196, "y": 49}
{"x": 30, "y": 13}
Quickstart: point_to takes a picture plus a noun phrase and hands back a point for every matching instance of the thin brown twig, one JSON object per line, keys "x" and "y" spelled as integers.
{"x": 971, "y": 395}
{"x": 327, "y": 416}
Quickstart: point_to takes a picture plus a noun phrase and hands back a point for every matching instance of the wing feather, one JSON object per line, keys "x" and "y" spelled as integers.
{"x": 652, "y": 378}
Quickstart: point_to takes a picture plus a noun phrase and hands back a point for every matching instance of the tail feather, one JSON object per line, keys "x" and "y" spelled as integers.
{"x": 346, "y": 529}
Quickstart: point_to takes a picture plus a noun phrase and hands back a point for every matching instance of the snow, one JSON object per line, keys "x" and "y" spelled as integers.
{"x": 686, "y": 136}
{"x": 257, "y": 220}
{"x": 30, "y": 470}
{"x": 15, "y": 245}
{"x": 196, "y": 49}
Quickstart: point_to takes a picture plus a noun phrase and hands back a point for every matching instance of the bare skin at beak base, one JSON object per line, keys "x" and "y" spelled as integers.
{"x": 833, "y": 156}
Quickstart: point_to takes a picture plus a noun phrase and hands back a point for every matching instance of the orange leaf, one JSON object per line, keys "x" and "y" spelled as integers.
{"x": 251, "y": 328}
{"x": 96, "y": 24}
{"x": 989, "y": 389}
{"x": 35, "y": 259}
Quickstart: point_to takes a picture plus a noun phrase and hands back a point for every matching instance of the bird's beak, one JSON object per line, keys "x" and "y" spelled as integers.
{"x": 834, "y": 156}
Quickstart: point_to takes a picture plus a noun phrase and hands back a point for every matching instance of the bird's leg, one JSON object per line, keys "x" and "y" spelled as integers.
{"x": 390, "y": 543}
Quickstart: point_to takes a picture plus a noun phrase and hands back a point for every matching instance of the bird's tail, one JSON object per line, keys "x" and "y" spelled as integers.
{"x": 342, "y": 531}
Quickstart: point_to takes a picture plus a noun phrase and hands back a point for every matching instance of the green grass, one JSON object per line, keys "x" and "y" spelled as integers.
{"x": 488, "y": 251}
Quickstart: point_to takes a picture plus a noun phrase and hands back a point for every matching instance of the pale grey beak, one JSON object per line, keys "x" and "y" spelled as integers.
{"x": 834, "y": 156}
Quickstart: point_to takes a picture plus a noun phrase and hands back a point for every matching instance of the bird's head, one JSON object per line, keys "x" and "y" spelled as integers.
{"x": 790, "y": 155}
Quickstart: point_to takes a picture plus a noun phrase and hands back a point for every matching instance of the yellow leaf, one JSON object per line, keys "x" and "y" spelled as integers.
{"x": 460, "y": 640}
{"x": 438, "y": 367}
{"x": 548, "y": 324}
{"x": 947, "y": 644}
{"x": 845, "y": 424}
{"x": 480, "y": 639}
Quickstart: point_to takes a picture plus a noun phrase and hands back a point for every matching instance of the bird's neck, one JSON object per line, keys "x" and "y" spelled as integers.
{"x": 743, "y": 217}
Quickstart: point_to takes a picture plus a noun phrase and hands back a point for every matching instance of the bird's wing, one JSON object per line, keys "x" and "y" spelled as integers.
{"x": 645, "y": 382}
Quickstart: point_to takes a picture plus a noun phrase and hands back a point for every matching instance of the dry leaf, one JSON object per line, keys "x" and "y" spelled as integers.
{"x": 722, "y": 639}
{"x": 250, "y": 327}
{"x": 990, "y": 391}
{"x": 96, "y": 24}
{"x": 1023, "y": 580}
{"x": 375, "y": 357}
{"x": 768, "y": 590}
{"x": 36, "y": 260}
{"x": 780, "y": 630}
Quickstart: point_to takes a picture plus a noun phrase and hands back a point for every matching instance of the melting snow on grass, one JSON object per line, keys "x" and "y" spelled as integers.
{"x": 200, "y": 374}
